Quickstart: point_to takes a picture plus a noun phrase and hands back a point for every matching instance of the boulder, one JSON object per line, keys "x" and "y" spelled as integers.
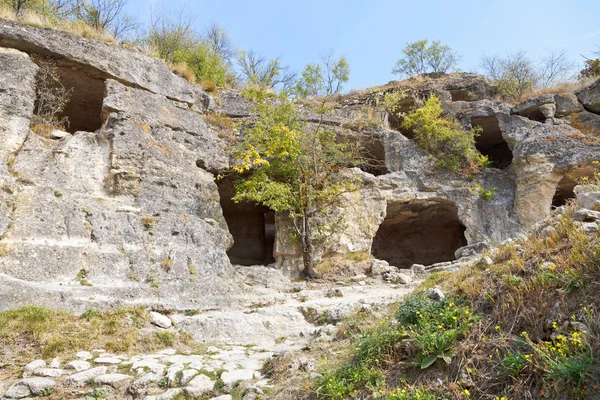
{"x": 590, "y": 97}
{"x": 162, "y": 321}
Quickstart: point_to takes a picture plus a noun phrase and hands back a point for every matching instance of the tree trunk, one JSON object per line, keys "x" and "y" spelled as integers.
{"x": 308, "y": 250}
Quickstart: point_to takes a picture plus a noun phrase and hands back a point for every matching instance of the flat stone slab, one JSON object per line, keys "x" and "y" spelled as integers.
{"x": 168, "y": 395}
{"x": 150, "y": 364}
{"x": 30, "y": 386}
{"x": 80, "y": 379}
{"x": 50, "y": 372}
{"x": 78, "y": 365}
{"x": 231, "y": 377}
{"x": 117, "y": 381}
{"x": 32, "y": 366}
{"x": 199, "y": 385}
{"x": 84, "y": 355}
{"x": 108, "y": 360}
{"x": 145, "y": 380}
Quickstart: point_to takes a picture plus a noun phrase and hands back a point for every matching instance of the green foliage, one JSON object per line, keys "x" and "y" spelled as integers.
{"x": 294, "y": 169}
{"x": 484, "y": 194}
{"x": 323, "y": 79}
{"x": 392, "y": 101}
{"x": 514, "y": 363}
{"x": 166, "y": 338}
{"x": 206, "y": 64}
{"x": 413, "y": 393}
{"x": 444, "y": 138}
{"x": 348, "y": 381}
{"x": 434, "y": 326}
{"x": 419, "y": 58}
{"x": 257, "y": 94}
{"x": 591, "y": 69}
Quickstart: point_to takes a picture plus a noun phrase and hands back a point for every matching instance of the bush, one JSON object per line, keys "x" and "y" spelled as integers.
{"x": 51, "y": 99}
{"x": 204, "y": 62}
{"x": 444, "y": 138}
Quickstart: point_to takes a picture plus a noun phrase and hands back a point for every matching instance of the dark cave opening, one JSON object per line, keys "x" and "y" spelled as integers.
{"x": 373, "y": 154}
{"x": 84, "y": 108}
{"x": 491, "y": 143}
{"x": 564, "y": 188}
{"x": 252, "y": 228}
{"x": 419, "y": 232}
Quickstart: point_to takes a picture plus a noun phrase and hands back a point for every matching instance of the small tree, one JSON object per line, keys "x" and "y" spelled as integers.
{"x": 515, "y": 74}
{"x": 592, "y": 67}
{"x": 420, "y": 58}
{"x": 106, "y": 15}
{"x": 257, "y": 70}
{"x": 168, "y": 34}
{"x": 324, "y": 79}
{"x": 296, "y": 169}
{"x": 218, "y": 39}
{"x": 444, "y": 138}
{"x": 555, "y": 68}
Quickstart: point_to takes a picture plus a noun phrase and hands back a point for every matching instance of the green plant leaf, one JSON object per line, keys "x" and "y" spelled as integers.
{"x": 428, "y": 361}
{"x": 447, "y": 359}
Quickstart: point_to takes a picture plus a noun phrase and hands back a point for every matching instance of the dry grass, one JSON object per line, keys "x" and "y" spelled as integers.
{"x": 183, "y": 70}
{"x": 220, "y": 122}
{"x": 562, "y": 87}
{"x": 32, "y": 332}
{"x": 40, "y": 21}
{"x": 209, "y": 86}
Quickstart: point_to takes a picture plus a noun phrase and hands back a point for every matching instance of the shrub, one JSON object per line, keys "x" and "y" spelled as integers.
{"x": 204, "y": 62}
{"x": 444, "y": 138}
{"x": 51, "y": 99}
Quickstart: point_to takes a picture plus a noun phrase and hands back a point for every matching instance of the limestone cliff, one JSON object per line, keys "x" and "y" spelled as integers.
{"x": 123, "y": 209}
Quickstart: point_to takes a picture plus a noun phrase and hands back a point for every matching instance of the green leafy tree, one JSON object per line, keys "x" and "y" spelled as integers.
{"x": 323, "y": 79}
{"x": 206, "y": 64}
{"x": 296, "y": 169}
{"x": 419, "y": 58}
{"x": 444, "y": 138}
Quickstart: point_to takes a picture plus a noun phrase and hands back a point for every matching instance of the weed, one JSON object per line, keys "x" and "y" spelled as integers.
{"x": 82, "y": 277}
{"x": 167, "y": 264}
{"x": 165, "y": 338}
{"x": 514, "y": 363}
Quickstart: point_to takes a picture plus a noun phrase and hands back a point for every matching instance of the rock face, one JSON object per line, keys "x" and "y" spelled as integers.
{"x": 122, "y": 208}
{"x": 125, "y": 214}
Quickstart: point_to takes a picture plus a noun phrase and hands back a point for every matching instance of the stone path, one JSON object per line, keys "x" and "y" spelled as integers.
{"x": 273, "y": 315}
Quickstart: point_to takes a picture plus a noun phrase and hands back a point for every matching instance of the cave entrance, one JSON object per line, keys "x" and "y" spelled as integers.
{"x": 419, "y": 232}
{"x": 252, "y": 228}
{"x": 491, "y": 143}
{"x": 564, "y": 188}
{"x": 84, "y": 108}
{"x": 373, "y": 152}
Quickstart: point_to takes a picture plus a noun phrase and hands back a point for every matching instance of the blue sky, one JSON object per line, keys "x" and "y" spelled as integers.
{"x": 371, "y": 34}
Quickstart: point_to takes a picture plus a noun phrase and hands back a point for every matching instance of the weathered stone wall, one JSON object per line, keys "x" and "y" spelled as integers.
{"x": 126, "y": 215}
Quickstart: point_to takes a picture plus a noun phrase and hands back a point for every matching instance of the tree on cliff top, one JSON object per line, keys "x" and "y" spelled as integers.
{"x": 295, "y": 169}
{"x": 419, "y": 58}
